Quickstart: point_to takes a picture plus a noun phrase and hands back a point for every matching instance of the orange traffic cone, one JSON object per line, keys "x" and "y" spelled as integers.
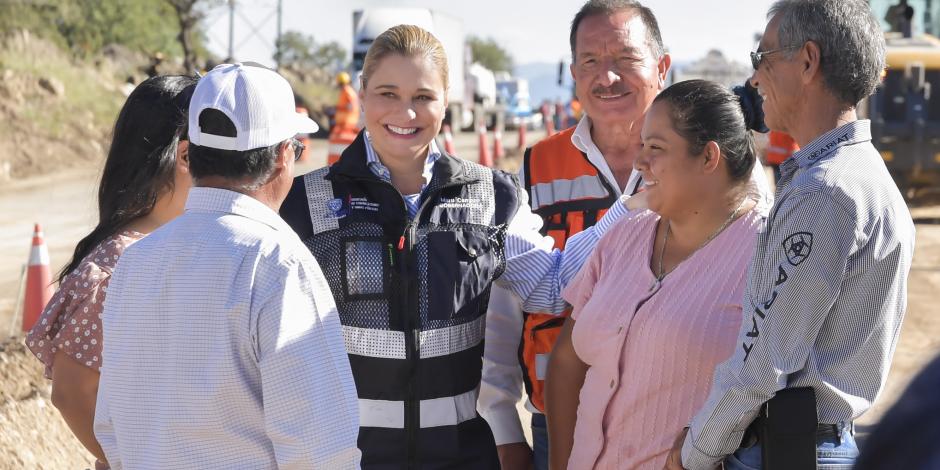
{"x": 522, "y": 139}
{"x": 498, "y": 151}
{"x": 485, "y": 158}
{"x": 449, "y": 141}
{"x": 38, "y": 280}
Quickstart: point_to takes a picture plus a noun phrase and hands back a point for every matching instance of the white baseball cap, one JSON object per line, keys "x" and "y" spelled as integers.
{"x": 258, "y": 101}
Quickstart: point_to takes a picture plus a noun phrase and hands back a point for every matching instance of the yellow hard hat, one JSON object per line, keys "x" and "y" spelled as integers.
{"x": 343, "y": 78}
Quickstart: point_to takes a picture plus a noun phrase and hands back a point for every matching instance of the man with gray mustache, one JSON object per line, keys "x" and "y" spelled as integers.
{"x": 619, "y": 65}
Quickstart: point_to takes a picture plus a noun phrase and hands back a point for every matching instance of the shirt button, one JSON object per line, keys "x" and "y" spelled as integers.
{"x": 619, "y": 330}
{"x": 612, "y": 383}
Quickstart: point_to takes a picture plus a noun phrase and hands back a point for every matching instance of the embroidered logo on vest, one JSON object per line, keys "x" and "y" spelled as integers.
{"x": 337, "y": 210}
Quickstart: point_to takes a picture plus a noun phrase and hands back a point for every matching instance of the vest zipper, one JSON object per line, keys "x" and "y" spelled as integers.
{"x": 406, "y": 244}
{"x": 552, "y": 323}
{"x": 411, "y": 327}
{"x": 409, "y": 306}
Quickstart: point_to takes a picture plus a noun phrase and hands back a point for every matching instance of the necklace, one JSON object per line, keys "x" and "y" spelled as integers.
{"x": 662, "y": 251}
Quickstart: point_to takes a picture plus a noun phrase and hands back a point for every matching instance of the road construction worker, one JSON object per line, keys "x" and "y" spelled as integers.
{"x": 576, "y": 110}
{"x": 346, "y": 125}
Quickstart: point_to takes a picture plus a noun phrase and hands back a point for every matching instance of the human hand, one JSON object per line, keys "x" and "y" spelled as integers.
{"x": 515, "y": 456}
{"x": 637, "y": 202}
{"x": 674, "y": 460}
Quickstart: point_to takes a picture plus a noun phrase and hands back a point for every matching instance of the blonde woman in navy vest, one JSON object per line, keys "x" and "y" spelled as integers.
{"x": 411, "y": 239}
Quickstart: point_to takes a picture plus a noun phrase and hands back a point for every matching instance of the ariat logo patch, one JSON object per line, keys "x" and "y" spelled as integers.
{"x": 798, "y": 247}
{"x": 828, "y": 147}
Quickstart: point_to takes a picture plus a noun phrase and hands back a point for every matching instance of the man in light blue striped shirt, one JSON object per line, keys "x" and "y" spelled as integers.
{"x": 828, "y": 282}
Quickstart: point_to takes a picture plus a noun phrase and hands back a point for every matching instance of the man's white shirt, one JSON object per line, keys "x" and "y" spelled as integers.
{"x": 223, "y": 348}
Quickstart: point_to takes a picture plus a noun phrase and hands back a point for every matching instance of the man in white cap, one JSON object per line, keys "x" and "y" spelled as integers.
{"x": 223, "y": 347}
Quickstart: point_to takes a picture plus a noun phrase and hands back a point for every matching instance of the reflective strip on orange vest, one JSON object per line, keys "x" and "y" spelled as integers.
{"x": 779, "y": 147}
{"x": 541, "y": 365}
{"x": 582, "y": 187}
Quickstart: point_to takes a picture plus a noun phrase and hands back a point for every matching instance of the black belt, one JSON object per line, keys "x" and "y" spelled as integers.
{"x": 823, "y": 432}
{"x": 827, "y": 431}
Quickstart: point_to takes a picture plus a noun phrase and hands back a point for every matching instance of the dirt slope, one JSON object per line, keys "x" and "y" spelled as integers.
{"x": 33, "y": 434}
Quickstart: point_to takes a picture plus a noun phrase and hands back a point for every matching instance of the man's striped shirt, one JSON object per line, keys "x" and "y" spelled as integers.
{"x": 827, "y": 289}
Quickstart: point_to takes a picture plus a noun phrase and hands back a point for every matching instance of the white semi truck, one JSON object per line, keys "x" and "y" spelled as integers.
{"x": 368, "y": 24}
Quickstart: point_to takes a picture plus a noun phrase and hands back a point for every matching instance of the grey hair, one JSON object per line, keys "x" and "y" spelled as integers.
{"x": 850, "y": 40}
{"x": 608, "y": 7}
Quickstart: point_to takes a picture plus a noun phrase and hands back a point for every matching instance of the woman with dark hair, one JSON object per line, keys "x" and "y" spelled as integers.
{"x": 143, "y": 186}
{"x": 658, "y": 304}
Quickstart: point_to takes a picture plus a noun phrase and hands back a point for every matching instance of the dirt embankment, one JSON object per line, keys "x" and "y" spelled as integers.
{"x": 33, "y": 435}
{"x": 56, "y": 110}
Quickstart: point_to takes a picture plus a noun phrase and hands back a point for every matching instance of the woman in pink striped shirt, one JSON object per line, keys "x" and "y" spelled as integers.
{"x": 658, "y": 304}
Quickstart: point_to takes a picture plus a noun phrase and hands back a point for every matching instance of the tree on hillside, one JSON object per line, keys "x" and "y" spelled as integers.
{"x": 490, "y": 54}
{"x": 188, "y": 16}
{"x": 301, "y": 50}
{"x": 85, "y": 26}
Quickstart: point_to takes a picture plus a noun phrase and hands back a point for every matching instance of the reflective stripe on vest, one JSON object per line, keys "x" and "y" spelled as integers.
{"x": 445, "y": 411}
{"x": 779, "y": 147}
{"x": 582, "y": 187}
{"x": 389, "y": 344}
{"x": 541, "y": 365}
{"x": 570, "y": 194}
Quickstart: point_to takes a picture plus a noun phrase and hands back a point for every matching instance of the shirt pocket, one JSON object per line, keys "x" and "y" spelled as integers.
{"x": 365, "y": 268}
{"x": 461, "y": 267}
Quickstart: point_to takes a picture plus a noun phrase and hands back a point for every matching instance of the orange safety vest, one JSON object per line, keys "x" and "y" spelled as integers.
{"x": 346, "y": 126}
{"x": 779, "y": 147}
{"x": 347, "y": 108}
{"x": 570, "y": 194}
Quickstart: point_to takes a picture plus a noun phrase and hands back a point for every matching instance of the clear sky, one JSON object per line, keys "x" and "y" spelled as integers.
{"x": 532, "y": 31}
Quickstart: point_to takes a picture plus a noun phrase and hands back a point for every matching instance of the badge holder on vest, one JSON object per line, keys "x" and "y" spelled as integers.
{"x": 786, "y": 430}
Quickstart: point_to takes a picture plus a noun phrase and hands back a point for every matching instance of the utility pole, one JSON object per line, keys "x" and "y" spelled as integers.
{"x": 928, "y": 17}
{"x": 231, "y": 30}
{"x": 277, "y": 42}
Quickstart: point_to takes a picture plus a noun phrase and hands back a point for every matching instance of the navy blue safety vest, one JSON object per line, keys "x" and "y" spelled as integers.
{"x": 412, "y": 297}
